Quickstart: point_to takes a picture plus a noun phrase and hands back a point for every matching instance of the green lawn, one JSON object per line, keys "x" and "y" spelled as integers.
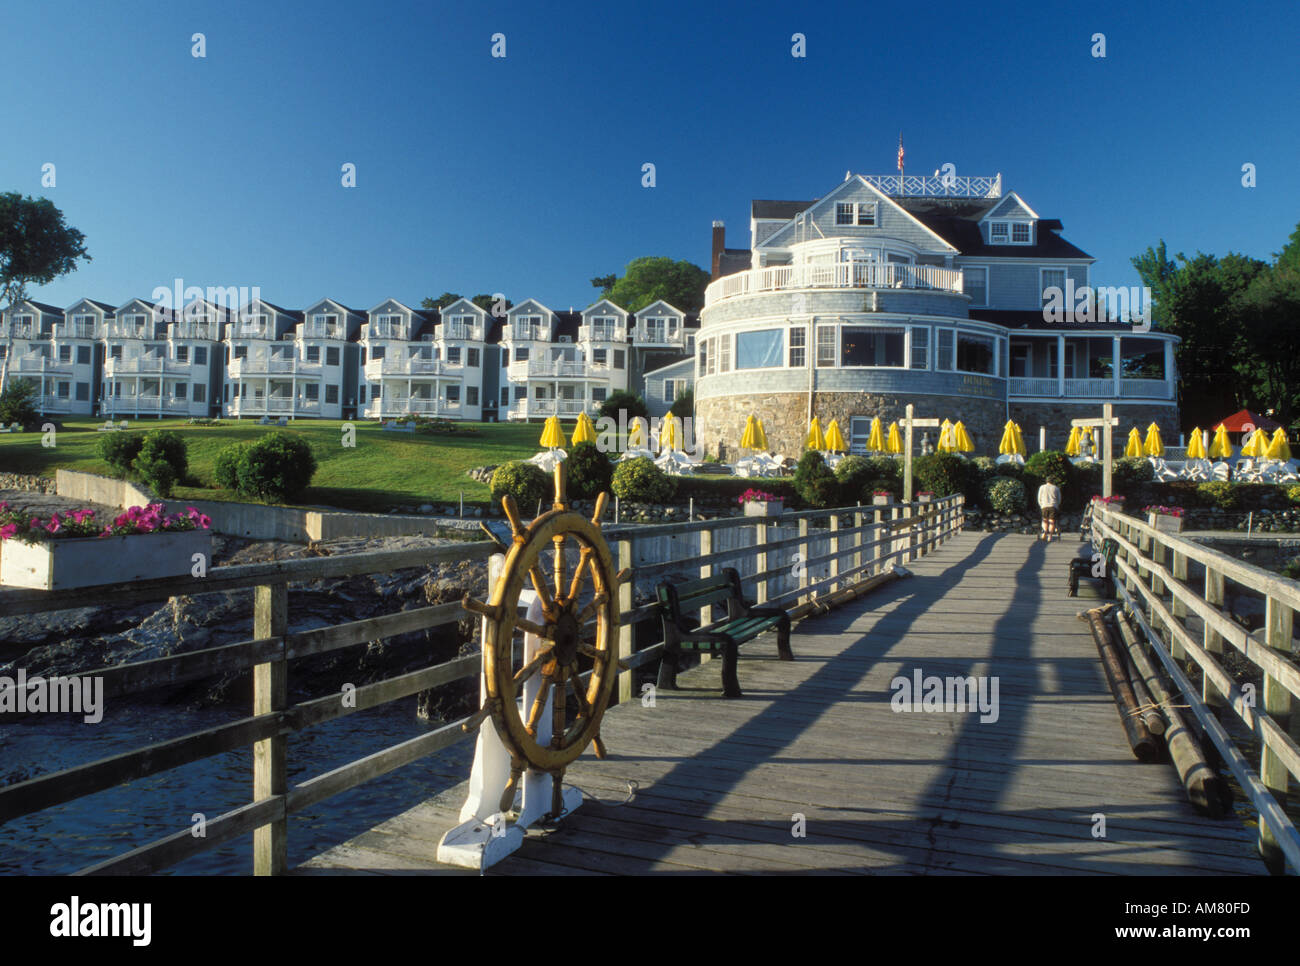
{"x": 385, "y": 469}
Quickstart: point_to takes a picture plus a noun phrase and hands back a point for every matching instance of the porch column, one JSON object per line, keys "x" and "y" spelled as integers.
{"x": 1169, "y": 369}
{"x": 1115, "y": 365}
{"x": 1060, "y": 366}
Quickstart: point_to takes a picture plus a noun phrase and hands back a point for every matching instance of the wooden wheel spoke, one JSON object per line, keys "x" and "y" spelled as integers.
{"x": 539, "y": 704}
{"x": 593, "y": 608}
{"x": 558, "y": 708}
{"x": 531, "y": 668}
{"x": 541, "y": 630}
{"x": 543, "y": 591}
{"x": 575, "y": 588}
{"x": 579, "y": 692}
{"x": 559, "y": 564}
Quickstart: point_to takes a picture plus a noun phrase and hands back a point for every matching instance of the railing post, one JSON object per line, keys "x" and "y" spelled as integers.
{"x": 626, "y": 597}
{"x": 878, "y": 541}
{"x": 706, "y": 570}
{"x": 803, "y": 549}
{"x": 1213, "y": 640}
{"x": 835, "y": 550}
{"x": 760, "y": 585}
{"x": 857, "y": 543}
{"x": 270, "y": 694}
{"x": 1278, "y": 622}
{"x": 895, "y": 536}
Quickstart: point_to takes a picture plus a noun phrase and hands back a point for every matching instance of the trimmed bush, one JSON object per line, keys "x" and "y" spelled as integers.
{"x": 893, "y": 487}
{"x": 1293, "y": 493}
{"x": 18, "y": 403}
{"x": 225, "y": 469}
{"x": 684, "y": 405}
{"x": 277, "y": 468}
{"x": 855, "y": 474}
{"x": 1220, "y": 494}
{"x": 119, "y": 450}
{"x": 1005, "y": 495}
{"x": 156, "y": 473}
{"x": 622, "y": 399}
{"x": 166, "y": 445}
{"x": 887, "y": 467}
{"x": 524, "y": 482}
{"x": 986, "y": 466}
{"x": 590, "y": 471}
{"x": 728, "y": 490}
{"x": 815, "y": 482}
{"x": 640, "y": 481}
{"x": 943, "y": 474}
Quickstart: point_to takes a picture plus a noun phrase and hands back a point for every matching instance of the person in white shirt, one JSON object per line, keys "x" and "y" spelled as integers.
{"x": 1049, "y": 501}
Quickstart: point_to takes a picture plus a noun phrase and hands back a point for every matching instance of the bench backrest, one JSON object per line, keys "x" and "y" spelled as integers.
{"x": 693, "y": 595}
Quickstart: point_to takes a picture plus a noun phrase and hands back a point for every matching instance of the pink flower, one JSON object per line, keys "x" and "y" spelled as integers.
{"x": 8, "y": 530}
{"x": 54, "y": 525}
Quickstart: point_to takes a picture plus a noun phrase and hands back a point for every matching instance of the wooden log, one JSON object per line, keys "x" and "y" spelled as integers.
{"x": 1144, "y": 745}
{"x": 1207, "y": 792}
{"x": 1147, "y": 704}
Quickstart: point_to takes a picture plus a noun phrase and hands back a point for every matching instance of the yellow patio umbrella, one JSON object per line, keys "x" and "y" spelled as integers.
{"x": 1072, "y": 444}
{"x": 876, "y": 441}
{"x": 760, "y": 435}
{"x": 834, "y": 438}
{"x": 894, "y": 442}
{"x": 815, "y": 438}
{"x": 669, "y": 436}
{"x": 636, "y": 434}
{"x": 1021, "y": 448}
{"x": 962, "y": 438}
{"x": 1257, "y": 448}
{"x": 1278, "y": 448}
{"x": 747, "y": 440}
{"x": 1196, "y": 445}
{"x": 1153, "y": 446}
{"x": 552, "y": 435}
{"x": 1007, "y": 444}
{"x": 1133, "y": 448}
{"x": 1220, "y": 447}
{"x": 584, "y": 432}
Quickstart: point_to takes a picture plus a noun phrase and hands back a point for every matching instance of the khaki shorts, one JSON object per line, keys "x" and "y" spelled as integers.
{"x": 1049, "y": 514}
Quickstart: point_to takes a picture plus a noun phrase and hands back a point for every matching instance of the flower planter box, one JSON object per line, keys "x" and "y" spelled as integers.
{"x": 764, "y": 508}
{"x": 1165, "y": 523}
{"x": 881, "y": 500}
{"x": 925, "y": 498}
{"x": 64, "y": 564}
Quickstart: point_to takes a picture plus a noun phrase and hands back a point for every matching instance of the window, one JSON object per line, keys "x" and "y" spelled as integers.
{"x": 521, "y": 393}
{"x": 332, "y": 356}
{"x": 998, "y": 233}
{"x": 844, "y": 213}
{"x": 861, "y": 346}
{"x": 181, "y": 390}
{"x": 825, "y": 345}
{"x": 228, "y": 392}
{"x": 311, "y": 392}
{"x": 505, "y": 396}
{"x": 374, "y": 390}
{"x": 943, "y": 356}
{"x": 377, "y": 352}
{"x": 757, "y": 350}
{"x": 670, "y": 390}
{"x": 361, "y": 394}
{"x": 920, "y": 348}
{"x": 1020, "y": 233}
{"x": 1054, "y": 278}
{"x": 505, "y": 358}
{"x": 182, "y": 353}
{"x": 313, "y": 354}
{"x": 527, "y": 326}
{"x": 599, "y": 357}
{"x": 453, "y": 355}
{"x": 975, "y": 283}
{"x": 690, "y": 344}
{"x": 521, "y": 353}
{"x": 331, "y": 395}
{"x": 975, "y": 353}
{"x": 1021, "y": 353}
{"x": 620, "y": 357}
{"x": 115, "y": 352}
{"x": 798, "y": 350}
{"x": 83, "y": 392}
{"x": 200, "y": 355}
{"x": 241, "y": 352}
{"x": 471, "y": 395}
{"x": 867, "y": 213}
{"x": 471, "y": 359}
{"x": 598, "y": 394}
{"x": 64, "y": 390}
{"x": 65, "y": 353}
{"x": 702, "y": 368}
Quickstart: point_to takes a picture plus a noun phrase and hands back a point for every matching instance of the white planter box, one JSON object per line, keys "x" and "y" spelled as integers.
{"x": 764, "y": 508}
{"x": 85, "y": 562}
{"x": 882, "y": 500}
{"x": 1165, "y": 523}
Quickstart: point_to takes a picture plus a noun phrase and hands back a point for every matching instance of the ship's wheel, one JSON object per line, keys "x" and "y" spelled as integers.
{"x": 579, "y": 632}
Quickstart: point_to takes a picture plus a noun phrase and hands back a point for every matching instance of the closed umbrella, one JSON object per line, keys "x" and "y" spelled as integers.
{"x": 1072, "y": 444}
{"x": 1134, "y": 446}
{"x": 962, "y": 438}
{"x": 584, "y": 432}
{"x": 760, "y": 435}
{"x": 815, "y": 438}
{"x": 946, "y": 443}
{"x": 1220, "y": 447}
{"x": 669, "y": 438}
{"x": 552, "y": 435}
{"x": 1257, "y": 448}
{"x": 834, "y": 438}
{"x": 894, "y": 442}
{"x": 1153, "y": 446}
{"x": 747, "y": 438}
{"x": 1196, "y": 446}
{"x": 636, "y": 435}
{"x": 876, "y": 441}
{"x": 1021, "y": 448}
{"x": 1007, "y": 445}
{"x": 1278, "y": 448}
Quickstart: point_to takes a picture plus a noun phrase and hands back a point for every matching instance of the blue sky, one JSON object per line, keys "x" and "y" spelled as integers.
{"x": 523, "y": 174}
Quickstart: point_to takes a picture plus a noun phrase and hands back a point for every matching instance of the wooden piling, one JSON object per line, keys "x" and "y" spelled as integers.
{"x": 1144, "y": 745}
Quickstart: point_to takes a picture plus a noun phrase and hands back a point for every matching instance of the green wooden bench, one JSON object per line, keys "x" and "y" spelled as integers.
{"x": 1081, "y": 566}
{"x": 679, "y": 602}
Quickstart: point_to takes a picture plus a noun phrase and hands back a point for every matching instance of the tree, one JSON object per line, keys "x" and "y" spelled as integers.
{"x": 1269, "y": 308}
{"x": 36, "y": 247}
{"x": 441, "y": 302}
{"x": 648, "y": 279}
{"x": 488, "y": 303}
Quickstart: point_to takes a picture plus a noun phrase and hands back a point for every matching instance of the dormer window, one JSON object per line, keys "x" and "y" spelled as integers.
{"x": 844, "y": 213}
{"x": 999, "y": 232}
{"x": 1011, "y": 233}
{"x": 1020, "y": 233}
{"x": 527, "y": 326}
{"x": 867, "y": 214}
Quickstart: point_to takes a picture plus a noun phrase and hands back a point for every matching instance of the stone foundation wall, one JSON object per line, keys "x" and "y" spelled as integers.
{"x": 1056, "y": 417}
{"x": 721, "y": 420}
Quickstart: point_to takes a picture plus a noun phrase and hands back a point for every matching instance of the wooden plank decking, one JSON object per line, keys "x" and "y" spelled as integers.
{"x": 719, "y": 783}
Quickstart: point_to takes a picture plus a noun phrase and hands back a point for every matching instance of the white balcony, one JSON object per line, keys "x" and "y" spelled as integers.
{"x": 602, "y": 333}
{"x": 147, "y": 364}
{"x": 835, "y": 275}
{"x": 399, "y": 366}
{"x": 149, "y": 331}
{"x": 76, "y": 330}
{"x": 37, "y": 363}
{"x": 540, "y": 408}
{"x": 657, "y": 335}
{"x": 147, "y": 403}
{"x": 461, "y": 333}
{"x": 258, "y": 364}
{"x": 554, "y": 369}
{"x": 1050, "y": 387}
{"x": 208, "y": 331}
{"x": 320, "y": 330}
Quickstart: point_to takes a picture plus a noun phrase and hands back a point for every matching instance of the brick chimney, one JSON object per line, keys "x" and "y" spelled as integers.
{"x": 719, "y": 244}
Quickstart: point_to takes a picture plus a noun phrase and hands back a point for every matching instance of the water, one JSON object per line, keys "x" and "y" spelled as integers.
{"x": 68, "y": 837}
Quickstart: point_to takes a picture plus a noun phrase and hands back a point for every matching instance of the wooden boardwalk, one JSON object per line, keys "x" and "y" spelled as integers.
{"x": 719, "y": 784}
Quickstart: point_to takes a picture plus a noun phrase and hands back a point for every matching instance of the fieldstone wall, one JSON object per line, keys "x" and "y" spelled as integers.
{"x": 721, "y": 420}
{"x": 1056, "y": 417}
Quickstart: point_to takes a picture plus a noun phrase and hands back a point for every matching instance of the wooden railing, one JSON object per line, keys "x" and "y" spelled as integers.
{"x": 872, "y": 539}
{"x": 1188, "y": 628}
{"x": 835, "y": 275}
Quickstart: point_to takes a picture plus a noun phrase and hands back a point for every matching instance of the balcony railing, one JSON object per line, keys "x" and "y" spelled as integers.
{"x": 148, "y": 331}
{"x": 465, "y": 333}
{"x": 76, "y": 330}
{"x": 388, "y": 330}
{"x": 136, "y": 364}
{"x": 554, "y": 369}
{"x": 196, "y": 330}
{"x": 645, "y": 335}
{"x": 37, "y": 362}
{"x": 316, "y": 330}
{"x": 250, "y": 330}
{"x": 1091, "y": 388}
{"x": 58, "y": 404}
{"x": 1146, "y": 389}
{"x": 533, "y": 408}
{"x": 259, "y": 364}
{"x": 836, "y": 275}
{"x": 602, "y": 333}
{"x": 146, "y": 403}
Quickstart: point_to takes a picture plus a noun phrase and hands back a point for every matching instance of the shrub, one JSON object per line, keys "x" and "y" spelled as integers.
{"x": 1293, "y": 493}
{"x": 942, "y": 474}
{"x": 887, "y": 467}
{"x": 225, "y": 470}
{"x": 278, "y": 467}
{"x": 1291, "y": 569}
{"x": 623, "y": 399}
{"x": 855, "y": 473}
{"x": 18, "y": 403}
{"x": 684, "y": 405}
{"x": 157, "y": 473}
{"x": 640, "y": 481}
{"x": 884, "y": 484}
{"x": 1138, "y": 469}
{"x": 1053, "y": 466}
{"x": 589, "y": 471}
{"x": 166, "y": 445}
{"x": 986, "y": 466}
{"x": 119, "y": 450}
{"x": 1005, "y": 495}
{"x": 1220, "y": 494}
{"x": 526, "y": 483}
{"x": 815, "y": 482}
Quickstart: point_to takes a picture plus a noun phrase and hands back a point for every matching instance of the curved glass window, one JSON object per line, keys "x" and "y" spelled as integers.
{"x": 760, "y": 350}
{"x": 974, "y": 353}
{"x": 871, "y": 347}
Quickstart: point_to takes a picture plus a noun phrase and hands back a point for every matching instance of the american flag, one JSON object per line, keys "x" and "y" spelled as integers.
{"x": 900, "y": 151}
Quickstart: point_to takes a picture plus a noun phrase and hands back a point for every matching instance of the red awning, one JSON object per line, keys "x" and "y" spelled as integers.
{"x": 1236, "y": 423}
